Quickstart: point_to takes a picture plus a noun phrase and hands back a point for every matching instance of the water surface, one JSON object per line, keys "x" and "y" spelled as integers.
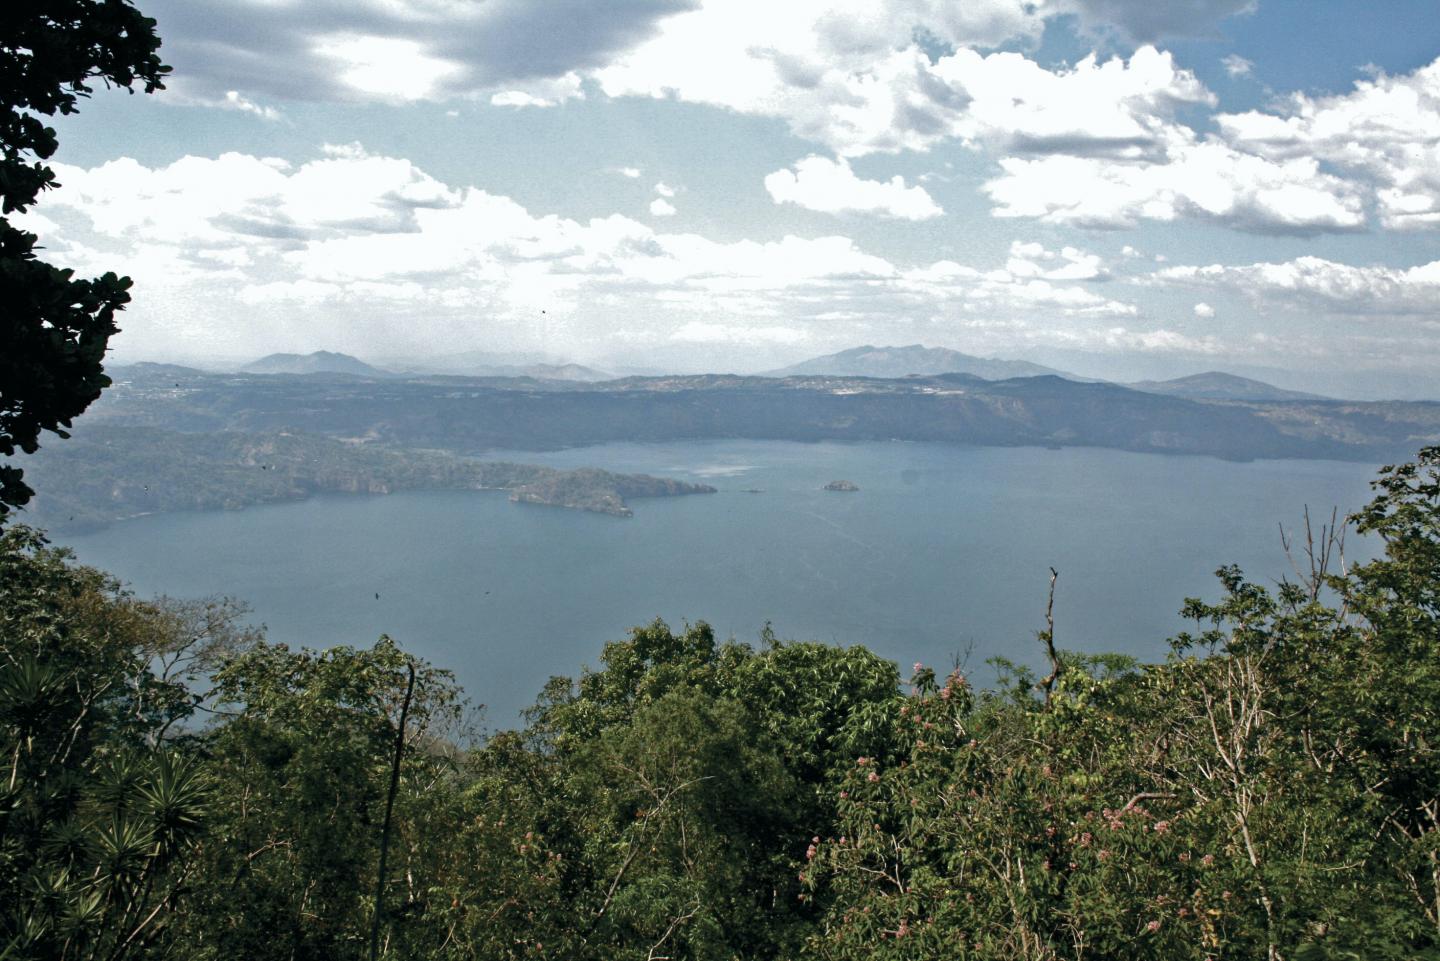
{"x": 943, "y": 553}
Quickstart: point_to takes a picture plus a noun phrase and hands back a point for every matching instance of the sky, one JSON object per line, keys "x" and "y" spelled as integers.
{"x": 1121, "y": 188}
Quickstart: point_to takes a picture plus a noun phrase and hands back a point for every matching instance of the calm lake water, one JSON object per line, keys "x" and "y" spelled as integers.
{"x": 942, "y": 554}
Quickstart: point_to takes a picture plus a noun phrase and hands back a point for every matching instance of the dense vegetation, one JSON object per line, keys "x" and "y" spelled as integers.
{"x": 175, "y": 786}
{"x": 107, "y": 473}
{"x": 55, "y": 328}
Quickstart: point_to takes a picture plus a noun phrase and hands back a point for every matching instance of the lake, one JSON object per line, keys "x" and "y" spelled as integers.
{"x": 943, "y": 553}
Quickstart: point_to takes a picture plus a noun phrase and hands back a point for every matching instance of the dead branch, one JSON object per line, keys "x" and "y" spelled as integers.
{"x": 1048, "y": 636}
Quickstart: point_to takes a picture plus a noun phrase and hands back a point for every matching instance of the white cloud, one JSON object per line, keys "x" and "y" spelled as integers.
{"x": 395, "y": 50}
{"x": 1385, "y": 132}
{"x": 255, "y": 253}
{"x": 1313, "y": 282}
{"x": 664, "y": 190}
{"x": 1236, "y": 65}
{"x": 387, "y": 68}
{"x": 1069, "y": 263}
{"x": 660, "y": 207}
{"x": 541, "y": 92}
{"x": 830, "y": 186}
{"x": 1206, "y": 180}
{"x": 878, "y": 92}
{"x": 234, "y": 101}
{"x": 1204, "y": 311}
{"x": 290, "y": 49}
{"x": 633, "y": 173}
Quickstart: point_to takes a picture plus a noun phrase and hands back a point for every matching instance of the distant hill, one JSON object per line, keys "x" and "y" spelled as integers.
{"x": 320, "y": 362}
{"x": 893, "y": 362}
{"x": 575, "y": 372}
{"x": 480, "y": 363}
{"x": 1217, "y": 385}
{"x": 466, "y": 415}
{"x": 147, "y": 370}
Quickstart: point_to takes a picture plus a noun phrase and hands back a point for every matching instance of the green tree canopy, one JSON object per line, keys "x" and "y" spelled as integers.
{"x": 55, "y": 328}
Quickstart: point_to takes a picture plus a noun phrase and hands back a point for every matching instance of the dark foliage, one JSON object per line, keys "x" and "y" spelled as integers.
{"x": 55, "y": 328}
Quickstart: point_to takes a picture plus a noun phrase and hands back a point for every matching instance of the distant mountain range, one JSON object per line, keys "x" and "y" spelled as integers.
{"x": 573, "y": 372}
{"x": 1217, "y": 385}
{"x": 920, "y": 361}
{"x": 320, "y": 362}
{"x": 915, "y": 360}
{"x": 472, "y": 415}
{"x": 470, "y": 364}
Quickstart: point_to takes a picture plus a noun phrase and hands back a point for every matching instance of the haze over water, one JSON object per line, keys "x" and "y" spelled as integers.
{"x": 943, "y": 553}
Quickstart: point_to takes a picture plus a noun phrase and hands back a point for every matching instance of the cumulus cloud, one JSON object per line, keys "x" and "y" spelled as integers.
{"x": 412, "y": 49}
{"x": 1204, "y": 311}
{"x": 1386, "y": 132}
{"x": 546, "y": 92}
{"x": 1315, "y": 282}
{"x": 1096, "y": 143}
{"x": 1204, "y": 180}
{"x": 1069, "y": 263}
{"x": 881, "y": 94}
{"x": 1236, "y": 65}
{"x": 257, "y": 251}
{"x": 233, "y": 101}
{"x": 830, "y": 186}
{"x": 394, "y": 49}
{"x": 660, "y": 207}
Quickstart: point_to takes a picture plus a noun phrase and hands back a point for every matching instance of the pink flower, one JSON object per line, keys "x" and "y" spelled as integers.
{"x": 1161, "y": 827}
{"x": 1208, "y": 860}
{"x": 872, "y": 777}
{"x": 1152, "y": 926}
{"x": 903, "y": 930}
{"x": 810, "y": 853}
{"x": 1184, "y": 856}
{"x": 1104, "y": 854}
{"x": 918, "y": 667}
{"x": 862, "y": 761}
{"x": 844, "y": 795}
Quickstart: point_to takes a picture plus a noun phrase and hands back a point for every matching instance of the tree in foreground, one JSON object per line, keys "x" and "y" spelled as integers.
{"x": 1269, "y": 791}
{"x": 55, "y": 328}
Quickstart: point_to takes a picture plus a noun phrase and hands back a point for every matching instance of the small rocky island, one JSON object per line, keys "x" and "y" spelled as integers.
{"x": 841, "y": 485}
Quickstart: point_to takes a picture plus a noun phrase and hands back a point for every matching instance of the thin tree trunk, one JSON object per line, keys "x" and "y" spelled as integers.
{"x": 389, "y": 807}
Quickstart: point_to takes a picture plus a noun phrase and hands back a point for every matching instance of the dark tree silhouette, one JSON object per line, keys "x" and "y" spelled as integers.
{"x": 54, "y": 328}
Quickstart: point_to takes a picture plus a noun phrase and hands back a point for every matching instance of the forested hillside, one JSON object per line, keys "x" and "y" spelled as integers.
{"x": 177, "y": 787}
{"x": 471, "y": 415}
{"x": 112, "y": 473}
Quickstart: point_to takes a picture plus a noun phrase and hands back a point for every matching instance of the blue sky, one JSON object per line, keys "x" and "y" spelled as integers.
{"x": 1118, "y": 187}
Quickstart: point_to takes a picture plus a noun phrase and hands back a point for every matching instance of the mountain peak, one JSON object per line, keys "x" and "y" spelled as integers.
{"x": 913, "y": 359}
{"x": 318, "y": 362}
{"x": 1218, "y": 385}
